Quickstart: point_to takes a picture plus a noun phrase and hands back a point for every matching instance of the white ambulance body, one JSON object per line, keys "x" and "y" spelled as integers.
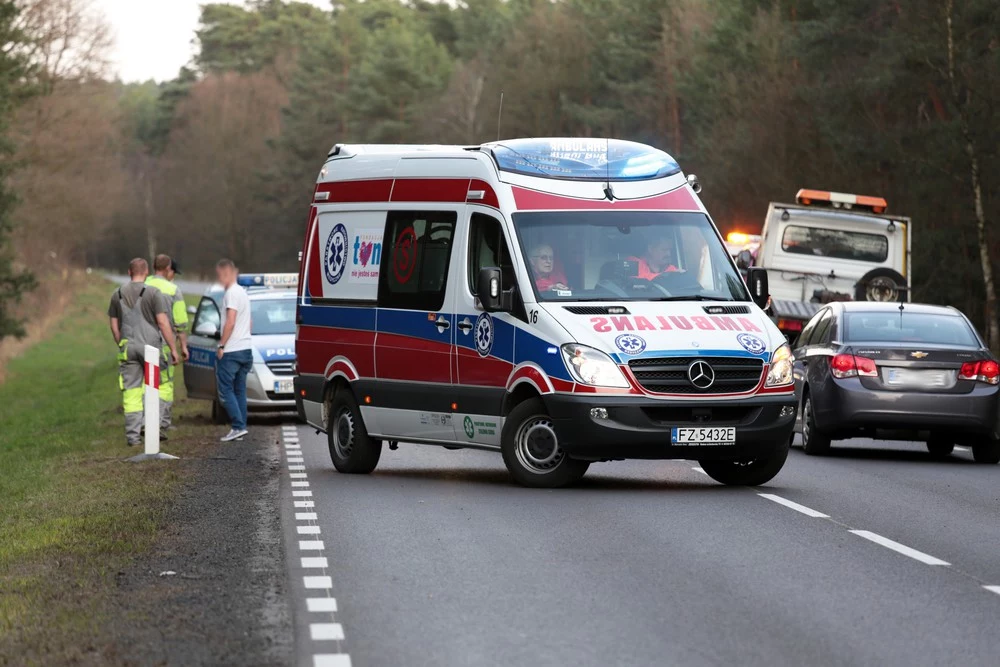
{"x": 562, "y": 301}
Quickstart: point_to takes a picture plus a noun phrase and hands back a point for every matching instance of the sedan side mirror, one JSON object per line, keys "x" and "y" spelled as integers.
{"x": 757, "y": 282}
{"x": 192, "y": 310}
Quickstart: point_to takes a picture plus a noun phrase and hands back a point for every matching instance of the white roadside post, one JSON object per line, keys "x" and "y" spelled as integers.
{"x": 151, "y": 409}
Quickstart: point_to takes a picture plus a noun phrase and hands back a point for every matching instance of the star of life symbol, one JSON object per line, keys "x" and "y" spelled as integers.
{"x": 630, "y": 343}
{"x": 336, "y": 254}
{"x": 484, "y": 334}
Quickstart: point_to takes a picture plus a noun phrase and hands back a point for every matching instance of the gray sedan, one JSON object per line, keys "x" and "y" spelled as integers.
{"x": 899, "y": 372}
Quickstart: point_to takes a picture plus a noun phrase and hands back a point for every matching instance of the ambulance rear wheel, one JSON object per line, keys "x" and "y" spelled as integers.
{"x": 531, "y": 449}
{"x": 351, "y": 449}
{"x": 751, "y": 472}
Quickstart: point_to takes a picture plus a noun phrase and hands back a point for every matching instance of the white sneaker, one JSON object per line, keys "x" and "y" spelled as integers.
{"x": 233, "y": 435}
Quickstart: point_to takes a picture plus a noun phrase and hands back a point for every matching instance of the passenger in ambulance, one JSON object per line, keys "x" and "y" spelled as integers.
{"x": 658, "y": 259}
{"x": 546, "y": 274}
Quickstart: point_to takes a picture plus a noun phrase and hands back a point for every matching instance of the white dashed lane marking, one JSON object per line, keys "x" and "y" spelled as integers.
{"x": 795, "y": 506}
{"x": 993, "y": 589}
{"x": 324, "y": 632}
{"x": 697, "y": 469}
{"x": 900, "y": 548}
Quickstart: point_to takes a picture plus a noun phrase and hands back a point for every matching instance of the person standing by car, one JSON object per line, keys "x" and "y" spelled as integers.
{"x": 166, "y": 269}
{"x": 235, "y": 358}
{"x": 138, "y": 317}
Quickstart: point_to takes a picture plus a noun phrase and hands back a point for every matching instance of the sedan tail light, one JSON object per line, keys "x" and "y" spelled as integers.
{"x": 848, "y": 366}
{"x": 987, "y": 371}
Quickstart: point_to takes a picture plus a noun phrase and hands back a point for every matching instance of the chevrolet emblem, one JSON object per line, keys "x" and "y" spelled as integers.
{"x": 918, "y": 355}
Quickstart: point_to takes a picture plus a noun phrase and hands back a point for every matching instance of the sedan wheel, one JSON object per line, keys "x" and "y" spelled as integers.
{"x": 987, "y": 452}
{"x": 814, "y": 441}
{"x": 940, "y": 448}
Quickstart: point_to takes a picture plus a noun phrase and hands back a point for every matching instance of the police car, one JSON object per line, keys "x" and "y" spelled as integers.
{"x": 272, "y": 311}
{"x": 561, "y": 301}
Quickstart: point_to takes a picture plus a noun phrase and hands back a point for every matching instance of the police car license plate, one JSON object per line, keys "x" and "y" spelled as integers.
{"x": 284, "y": 386}
{"x": 703, "y": 436}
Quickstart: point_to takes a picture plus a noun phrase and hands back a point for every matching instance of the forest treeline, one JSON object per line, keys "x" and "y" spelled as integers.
{"x": 758, "y": 97}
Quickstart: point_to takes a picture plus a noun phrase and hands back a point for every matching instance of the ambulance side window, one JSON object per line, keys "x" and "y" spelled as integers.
{"x": 414, "y": 272}
{"x": 488, "y": 247}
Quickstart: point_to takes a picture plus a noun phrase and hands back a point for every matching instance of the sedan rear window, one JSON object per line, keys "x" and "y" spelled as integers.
{"x": 922, "y": 328}
{"x": 835, "y": 243}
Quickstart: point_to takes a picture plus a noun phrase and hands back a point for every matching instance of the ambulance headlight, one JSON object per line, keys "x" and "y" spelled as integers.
{"x": 780, "y": 372}
{"x": 592, "y": 367}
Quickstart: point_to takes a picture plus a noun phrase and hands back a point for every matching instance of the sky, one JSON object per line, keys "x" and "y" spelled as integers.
{"x": 154, "y": 38}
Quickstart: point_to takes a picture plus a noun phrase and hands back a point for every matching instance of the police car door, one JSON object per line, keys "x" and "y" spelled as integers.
{"x": 484, "y": 343}
{"x": 199, "y": 369}
{"x": 415, "y": 327}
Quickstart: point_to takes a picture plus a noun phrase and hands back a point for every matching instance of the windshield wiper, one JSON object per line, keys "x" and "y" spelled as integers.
{"x": 692, "y": 297}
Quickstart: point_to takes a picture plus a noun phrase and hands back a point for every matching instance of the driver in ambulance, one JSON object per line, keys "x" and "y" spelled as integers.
{"x": 657, "y": 260}
{"x": 547, "y": 276}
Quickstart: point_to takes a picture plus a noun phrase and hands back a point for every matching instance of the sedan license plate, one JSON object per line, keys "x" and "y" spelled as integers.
{"x": 930, "y": 379}
{"x": 284, "y": 386}
{"x": 703, "y": 436}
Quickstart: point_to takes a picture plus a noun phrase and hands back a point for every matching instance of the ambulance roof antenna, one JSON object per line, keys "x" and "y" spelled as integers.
{"x": 608, "y": 192}
{"x": 499, "y": 115}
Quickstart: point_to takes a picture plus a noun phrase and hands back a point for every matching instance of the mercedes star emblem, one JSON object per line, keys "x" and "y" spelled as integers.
{"x": 701, "y": 374}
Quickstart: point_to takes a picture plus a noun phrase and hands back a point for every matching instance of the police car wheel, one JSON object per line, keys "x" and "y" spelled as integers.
{"x": 752, "y": 472}
{"x": 351, "y": 450}
{"x": 531, "y": 449}
{"x": 219, "y": 414}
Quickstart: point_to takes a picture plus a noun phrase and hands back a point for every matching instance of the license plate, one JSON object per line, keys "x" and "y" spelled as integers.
{"x": 284, "y": 386}
{"x": 703, "y": 436}
{"x": 905, "y": 377}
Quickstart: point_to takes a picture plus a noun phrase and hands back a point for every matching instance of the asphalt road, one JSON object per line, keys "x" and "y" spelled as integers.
{"x": 436, "y": 559}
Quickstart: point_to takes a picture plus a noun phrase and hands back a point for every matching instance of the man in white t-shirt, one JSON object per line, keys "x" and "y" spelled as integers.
{"x": 235, "y": 355}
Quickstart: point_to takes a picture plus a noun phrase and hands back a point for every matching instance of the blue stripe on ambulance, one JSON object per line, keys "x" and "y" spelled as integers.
{"x": 621, "y": 358}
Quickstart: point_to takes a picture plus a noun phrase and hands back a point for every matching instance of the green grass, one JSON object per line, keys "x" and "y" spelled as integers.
{"x": 72, "y": 510}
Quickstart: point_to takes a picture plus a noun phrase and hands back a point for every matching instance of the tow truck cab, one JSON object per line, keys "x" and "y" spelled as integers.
{"x": 561, "y": 301}
{"x": 830, "y": 246}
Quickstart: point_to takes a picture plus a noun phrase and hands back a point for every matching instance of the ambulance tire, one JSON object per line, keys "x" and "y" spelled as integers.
{"x": 748, "y": 473}
{"x": 351, "y": 449}
{"x": 531, "y": 451}
{"x": 219, "y": 414}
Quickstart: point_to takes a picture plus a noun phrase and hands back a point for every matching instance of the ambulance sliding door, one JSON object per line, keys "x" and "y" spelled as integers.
{"x": 415, "y": 328}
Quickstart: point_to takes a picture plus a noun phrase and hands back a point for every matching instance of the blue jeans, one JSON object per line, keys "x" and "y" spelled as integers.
{"x": 231, "y": 378}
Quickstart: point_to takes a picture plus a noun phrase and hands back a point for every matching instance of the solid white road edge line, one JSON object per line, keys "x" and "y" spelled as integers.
{"x": 314, "y": 562}
{"x": 795, "y": 506}
{"x": 326, "y": 631}
{"x": 331, "y": 660}
{"x": 317, "y": 582}
{"x": 900, "y": 548}
{"x": 321, "y": 604}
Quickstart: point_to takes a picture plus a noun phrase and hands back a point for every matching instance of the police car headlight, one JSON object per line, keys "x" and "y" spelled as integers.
{"x": 780, "y": 372}
{"x": 592, "y": 367}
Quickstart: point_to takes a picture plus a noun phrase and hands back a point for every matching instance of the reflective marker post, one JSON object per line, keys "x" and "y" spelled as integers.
{"x": 151, "y": 409}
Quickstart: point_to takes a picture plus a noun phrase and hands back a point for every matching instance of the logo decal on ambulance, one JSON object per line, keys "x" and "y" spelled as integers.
{"x": 630, "y": 343}
{"x": 751, "y": 343}
{"x": 335, "y": 257}
{"x": 470, "y": 429}
{"x": 484, "y": 334}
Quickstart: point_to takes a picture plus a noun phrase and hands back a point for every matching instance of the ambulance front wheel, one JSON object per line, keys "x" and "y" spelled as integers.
{"x": 752, "y": 472}
{"x": 351, "y": 450}
{"x": 531, "y": 449}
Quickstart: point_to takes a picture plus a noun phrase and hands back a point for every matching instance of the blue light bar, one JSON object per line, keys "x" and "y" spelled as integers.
{"x": 290, "y": 280}
{"x": 583, "y": 159}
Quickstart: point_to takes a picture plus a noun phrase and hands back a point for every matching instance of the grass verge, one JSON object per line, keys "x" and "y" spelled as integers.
{"x": 73, "y": 512}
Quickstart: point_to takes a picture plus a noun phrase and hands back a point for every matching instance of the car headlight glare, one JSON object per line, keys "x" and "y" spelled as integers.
{"x": 592, "y": 367}
{"x": 780, "y": 372}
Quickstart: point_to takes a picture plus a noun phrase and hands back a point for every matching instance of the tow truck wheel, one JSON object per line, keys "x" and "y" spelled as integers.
{"x": 884, "y": 285}
{"x": 814, "y": 441}
{"x": 351, "y": 450}
{"x": 531, "y": 449}
{"x": 752, "y": 472}
{"x": 987, "y": 452}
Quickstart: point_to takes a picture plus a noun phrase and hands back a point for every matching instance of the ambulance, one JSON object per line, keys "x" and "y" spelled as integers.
{"x": 560, "y": 301}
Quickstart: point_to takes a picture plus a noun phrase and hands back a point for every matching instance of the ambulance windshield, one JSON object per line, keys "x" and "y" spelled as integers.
{"x": 626, "y": 256}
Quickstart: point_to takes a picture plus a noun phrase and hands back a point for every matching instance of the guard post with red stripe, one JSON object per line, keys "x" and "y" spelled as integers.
{"x": 151, "y": 409}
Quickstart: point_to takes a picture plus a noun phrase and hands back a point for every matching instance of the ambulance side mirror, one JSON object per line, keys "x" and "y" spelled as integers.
{"x": 489, "y": 290}
{"x": 757, "y": 282}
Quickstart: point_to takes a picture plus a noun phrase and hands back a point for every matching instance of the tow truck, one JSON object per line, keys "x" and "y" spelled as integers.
{"x": 827, "y": 246}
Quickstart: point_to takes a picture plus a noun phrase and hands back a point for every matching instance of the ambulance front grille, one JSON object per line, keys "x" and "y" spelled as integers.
{"x": 669, "y": 375}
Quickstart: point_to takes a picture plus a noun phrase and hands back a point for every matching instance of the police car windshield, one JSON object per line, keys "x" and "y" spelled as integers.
{"x": 272, "y": 316}
{"x": 626, "y": 256}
